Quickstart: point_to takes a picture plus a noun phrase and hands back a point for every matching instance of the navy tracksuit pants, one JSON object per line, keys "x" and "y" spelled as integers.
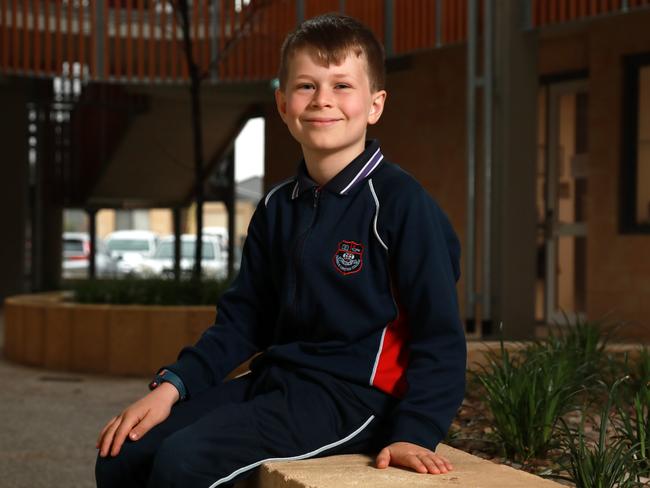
{"x": 224, "y": 433}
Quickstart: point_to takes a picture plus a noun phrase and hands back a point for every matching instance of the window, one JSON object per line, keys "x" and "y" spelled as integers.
{"x": 128, "y": 245}
{"x": 635, "y": 168}
{"x": 166, "y": 250}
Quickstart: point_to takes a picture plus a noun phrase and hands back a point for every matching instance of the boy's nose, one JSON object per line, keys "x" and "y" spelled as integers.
{"x": 321, "y": 98}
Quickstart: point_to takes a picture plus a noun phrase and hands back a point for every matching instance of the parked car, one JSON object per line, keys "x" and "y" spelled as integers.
{"x": 76, "y": 257}
{"x": 221, "y": 233}
{"x": 130, "y": 247}
{"x": 213, "y": 264}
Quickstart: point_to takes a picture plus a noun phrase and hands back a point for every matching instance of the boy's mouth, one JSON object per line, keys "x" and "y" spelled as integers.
{"x": 321, "y": 122}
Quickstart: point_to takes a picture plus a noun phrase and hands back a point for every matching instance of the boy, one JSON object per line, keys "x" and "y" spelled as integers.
{"x": 347, "y": 286}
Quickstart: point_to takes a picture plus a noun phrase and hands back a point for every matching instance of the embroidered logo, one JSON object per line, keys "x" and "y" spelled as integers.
{"x": 349, "y": 257}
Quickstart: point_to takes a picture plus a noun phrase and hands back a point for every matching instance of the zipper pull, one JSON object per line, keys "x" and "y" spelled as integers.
{"x": 316, "y": 195}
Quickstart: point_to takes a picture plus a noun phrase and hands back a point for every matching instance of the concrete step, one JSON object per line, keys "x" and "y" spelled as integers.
{"x": 355, "y": 471}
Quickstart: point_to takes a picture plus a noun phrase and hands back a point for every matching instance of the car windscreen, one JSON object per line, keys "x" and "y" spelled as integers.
{"x": 166, "y": 250}
{"x": 136, "y": 245}
{"x": 73, "y": 245}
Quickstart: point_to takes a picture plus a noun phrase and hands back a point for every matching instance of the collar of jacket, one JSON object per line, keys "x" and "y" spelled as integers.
{"x": 354, "y": 173}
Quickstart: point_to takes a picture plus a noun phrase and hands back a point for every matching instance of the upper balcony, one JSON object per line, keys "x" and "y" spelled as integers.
{"x": 140, "y": 41}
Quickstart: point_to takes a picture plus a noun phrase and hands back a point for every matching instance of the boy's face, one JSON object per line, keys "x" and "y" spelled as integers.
{"x": 327, "y": 108}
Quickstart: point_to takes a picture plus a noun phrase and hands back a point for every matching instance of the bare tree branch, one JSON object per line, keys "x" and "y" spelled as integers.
{"x": 181, "y": 10}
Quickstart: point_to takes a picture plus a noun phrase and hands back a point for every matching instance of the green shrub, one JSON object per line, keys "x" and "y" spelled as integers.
{"x": 148, "y": 291}
{"x": 598, "y": 463}
{"x": 526, "y": 395}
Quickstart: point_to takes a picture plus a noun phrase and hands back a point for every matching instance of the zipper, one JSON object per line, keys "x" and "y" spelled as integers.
{"x": 300, "y": 246}
{"x": 316, "y": 195}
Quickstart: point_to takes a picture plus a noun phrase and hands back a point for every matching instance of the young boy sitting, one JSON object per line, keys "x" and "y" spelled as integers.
{"x": 346, "y": 286}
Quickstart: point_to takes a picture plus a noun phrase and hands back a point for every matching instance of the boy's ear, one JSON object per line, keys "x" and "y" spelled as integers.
{"x": 377, "y": 106}
{"x": 281, "y": 103}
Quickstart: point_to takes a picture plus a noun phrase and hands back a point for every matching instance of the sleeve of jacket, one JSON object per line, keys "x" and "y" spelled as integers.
{"x": 424, "y": 255}
{"x": 244, "y": 317}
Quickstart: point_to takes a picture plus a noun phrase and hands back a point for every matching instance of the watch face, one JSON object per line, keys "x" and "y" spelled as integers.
{"x": 157, "y": 380}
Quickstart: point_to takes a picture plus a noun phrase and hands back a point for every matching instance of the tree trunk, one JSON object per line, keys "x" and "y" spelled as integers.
{"x": 197, "y": 129}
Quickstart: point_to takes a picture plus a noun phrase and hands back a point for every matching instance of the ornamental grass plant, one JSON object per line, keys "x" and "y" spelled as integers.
{"x": 604, "y": 462}
{"x": 638, "y": 370}
{"x": 583, "y": 344}
{"x": 549, "y": 406}
{"x": 526, "y": 395}
{"x": 633, "y": 426}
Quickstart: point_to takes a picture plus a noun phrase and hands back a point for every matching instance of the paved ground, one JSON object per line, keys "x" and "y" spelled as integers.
{"x": 49, "y": 422}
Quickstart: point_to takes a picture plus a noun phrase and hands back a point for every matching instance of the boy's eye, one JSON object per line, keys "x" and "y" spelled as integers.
{"x": 305, "y": 86}
{"x": 342, "y": 85}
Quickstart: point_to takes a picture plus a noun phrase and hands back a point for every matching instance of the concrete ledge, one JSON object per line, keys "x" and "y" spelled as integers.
{"x": 354, "y": 471}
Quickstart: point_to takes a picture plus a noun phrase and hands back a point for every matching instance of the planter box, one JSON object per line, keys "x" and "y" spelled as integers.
{"x": 131, "y": 340}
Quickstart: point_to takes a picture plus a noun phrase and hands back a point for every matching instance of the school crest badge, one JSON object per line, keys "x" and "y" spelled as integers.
{"x": 349, "y": 257}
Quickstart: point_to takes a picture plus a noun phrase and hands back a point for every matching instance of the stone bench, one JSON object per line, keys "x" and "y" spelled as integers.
{"x": 356, "y": 471}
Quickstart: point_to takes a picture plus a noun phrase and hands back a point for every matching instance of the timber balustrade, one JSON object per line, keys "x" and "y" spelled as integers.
{"x": 233, "y": 40}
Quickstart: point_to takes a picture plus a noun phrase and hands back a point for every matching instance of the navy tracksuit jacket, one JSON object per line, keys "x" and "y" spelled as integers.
{"x": 351, "y": 284}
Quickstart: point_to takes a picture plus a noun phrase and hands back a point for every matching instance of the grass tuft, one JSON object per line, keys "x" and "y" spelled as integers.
{"x": 604, "y": 462}
{"x": 527, "y": 394}
{"x": 633, "y": 426}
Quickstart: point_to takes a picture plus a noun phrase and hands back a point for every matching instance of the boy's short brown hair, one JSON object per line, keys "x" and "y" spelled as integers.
{"x": 331, "y": 37}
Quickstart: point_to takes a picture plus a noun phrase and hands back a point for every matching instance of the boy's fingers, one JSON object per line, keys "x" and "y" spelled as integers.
{"x": 415, "y": 463}
{"x": 120, "y": 434}
{"x": 142, "y": 427}
{"x": 445, "y": 462}
{"x": 107, "y": 440}
{"x": 431, "y": 465}
{"x": 103, "y": 431}
{"x": 417, "y": 458}
{"x": 383, "y": 458}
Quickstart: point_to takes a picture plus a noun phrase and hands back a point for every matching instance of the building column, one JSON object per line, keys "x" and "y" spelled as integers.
{"x": 13, "y": 186}
{"x": 513, "y": 234}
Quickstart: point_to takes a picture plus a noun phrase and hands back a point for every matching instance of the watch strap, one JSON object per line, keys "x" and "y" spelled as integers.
{"x": 167, "y": 376}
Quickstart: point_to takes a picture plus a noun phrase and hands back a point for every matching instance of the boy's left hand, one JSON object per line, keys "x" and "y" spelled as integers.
{"x": 412, "y": 456}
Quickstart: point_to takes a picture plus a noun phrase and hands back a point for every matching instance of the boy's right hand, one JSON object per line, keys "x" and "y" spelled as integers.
{"x": 137, "y": 419}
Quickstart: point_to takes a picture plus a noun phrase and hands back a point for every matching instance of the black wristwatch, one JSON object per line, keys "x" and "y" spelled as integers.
{"x": 166, "y": 376}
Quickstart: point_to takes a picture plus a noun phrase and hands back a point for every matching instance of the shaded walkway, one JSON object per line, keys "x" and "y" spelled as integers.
{"x": 49, "y": 422}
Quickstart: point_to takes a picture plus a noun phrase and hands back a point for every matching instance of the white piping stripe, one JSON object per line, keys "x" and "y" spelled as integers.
{"x": 294, "y": 193}
{"x": 381, "y": 346}
{"x": 234, "y": 474}
{"x": 266, "y": 200}
{"x": 374, "y": 195}
{"x": 362, "y": 170}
